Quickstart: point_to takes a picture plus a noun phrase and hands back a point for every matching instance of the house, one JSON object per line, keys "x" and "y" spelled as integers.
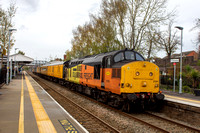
{"x": 186, "y": 54}
{"x": 188, "y": 57}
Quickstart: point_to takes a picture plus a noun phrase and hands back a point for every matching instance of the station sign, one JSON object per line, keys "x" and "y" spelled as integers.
{"x": 174, "y": 60}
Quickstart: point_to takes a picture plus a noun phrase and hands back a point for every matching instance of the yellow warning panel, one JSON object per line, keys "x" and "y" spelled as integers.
{"x": 69, "y": 128}
{"x": 43, "y": 121}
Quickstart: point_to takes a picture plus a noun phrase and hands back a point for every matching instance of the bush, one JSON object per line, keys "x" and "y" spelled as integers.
{"x": 186, "y": 89}
{"x": 198, "y": 63}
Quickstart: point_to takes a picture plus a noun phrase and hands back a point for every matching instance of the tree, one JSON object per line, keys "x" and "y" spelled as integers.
{"x": 97, "y": 36}
{"x": 134, "y": 17}
{"x": 151, "y": 45}
{"x": 21, "y": 52}
{"x": 168, "y": 40}
{"x": 191, "y": 74}
{"x": 6, "y": 23}
{"x": 195, "y": 75}
{"x": 121, "y": 24}
{"x": 197, "y": 26}
{"x": 68, "y": 55}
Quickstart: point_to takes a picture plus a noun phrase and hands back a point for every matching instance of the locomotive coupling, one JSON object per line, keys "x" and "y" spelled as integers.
{"x": 160, "y": 96}
{"x": 132, "y": 97}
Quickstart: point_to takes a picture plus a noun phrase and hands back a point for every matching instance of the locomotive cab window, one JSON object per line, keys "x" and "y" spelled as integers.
{"x": 129, "y": 55}
{"x": 119, "y": 57}
{"x": 108, "y": 62}
{"x": 139, "y": 57}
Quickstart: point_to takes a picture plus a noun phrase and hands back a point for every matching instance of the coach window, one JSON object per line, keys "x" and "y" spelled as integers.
{"x": 119, "y": 57}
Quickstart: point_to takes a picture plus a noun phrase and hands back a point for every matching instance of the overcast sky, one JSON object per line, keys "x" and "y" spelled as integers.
{"x": 44, "y": 27}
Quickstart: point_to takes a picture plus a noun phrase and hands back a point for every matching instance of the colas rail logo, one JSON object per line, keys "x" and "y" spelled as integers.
{"x": 108, "y": 73}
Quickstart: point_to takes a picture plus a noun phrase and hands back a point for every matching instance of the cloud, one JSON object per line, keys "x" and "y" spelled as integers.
{"x": 94, "y": 7}
{"x": 23, "y": 27}
{"x": 29, "y": 5}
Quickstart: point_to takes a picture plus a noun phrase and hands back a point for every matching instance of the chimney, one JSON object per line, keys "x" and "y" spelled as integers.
{"x": 65, "y": 57}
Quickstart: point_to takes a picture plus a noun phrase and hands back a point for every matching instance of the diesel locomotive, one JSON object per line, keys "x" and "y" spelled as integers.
{"x": 122, "y": 79}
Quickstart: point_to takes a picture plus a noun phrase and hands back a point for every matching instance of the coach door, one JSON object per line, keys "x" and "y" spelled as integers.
{"x": 97, "y": 70}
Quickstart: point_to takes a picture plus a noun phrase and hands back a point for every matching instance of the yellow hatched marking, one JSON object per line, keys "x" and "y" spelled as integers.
{"x": 184, "y": 99}
{"x": 43, "y": 122}
{"x": 21, "y": 113}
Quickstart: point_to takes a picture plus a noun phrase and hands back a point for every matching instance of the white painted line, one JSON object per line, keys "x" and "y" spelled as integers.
{"x": 72, "y": 119}
{"x": 182, "y": 102}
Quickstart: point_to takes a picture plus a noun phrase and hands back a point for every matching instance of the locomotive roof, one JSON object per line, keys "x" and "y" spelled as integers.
{"x": 92, "y": 59}
{"x": 97, "y": 59}
{"x": 54, "y": 63}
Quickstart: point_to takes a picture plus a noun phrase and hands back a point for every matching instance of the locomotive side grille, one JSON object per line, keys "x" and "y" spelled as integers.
{"x": 116, "y": 73}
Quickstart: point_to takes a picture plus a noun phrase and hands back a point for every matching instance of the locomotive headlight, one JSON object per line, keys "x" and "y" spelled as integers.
{"x": 144, "y": 84}
{"x": 137, "y": 73}
{"x": 156, "y": 85}
{"x": 150, "y": 74}
{"x": 127, "y": 84}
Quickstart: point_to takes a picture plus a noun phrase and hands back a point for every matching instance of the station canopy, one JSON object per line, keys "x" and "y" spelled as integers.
{"x": 20, "y": 59}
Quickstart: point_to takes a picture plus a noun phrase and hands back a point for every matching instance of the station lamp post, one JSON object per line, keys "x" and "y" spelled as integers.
{"x": 8, "y": 52}
{"x": 180, "y": 81}
{"x": 15, "y": 63}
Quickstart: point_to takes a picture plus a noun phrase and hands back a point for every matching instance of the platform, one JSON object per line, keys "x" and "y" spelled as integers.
{"x": 26, "y": 107}
{"x": 183, "y": 98}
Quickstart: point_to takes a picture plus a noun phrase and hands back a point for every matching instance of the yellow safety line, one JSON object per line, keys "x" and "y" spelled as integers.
{"x": 43, "y": 122}
{"x": 195, "y": 101}
{"x": 21, "y": 114}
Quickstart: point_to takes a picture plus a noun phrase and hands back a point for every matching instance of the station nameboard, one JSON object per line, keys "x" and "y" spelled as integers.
{"x": 174, "y": 60}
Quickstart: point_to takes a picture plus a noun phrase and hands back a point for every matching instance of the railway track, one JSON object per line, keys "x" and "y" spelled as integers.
{"x": 92, "y": 123}
{"x": 170, "y": 125}
{"x": 154, "y": 121}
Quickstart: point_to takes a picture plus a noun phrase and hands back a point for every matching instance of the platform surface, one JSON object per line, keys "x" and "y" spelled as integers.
{"x": 26, "y": 107}
{"x": 183, "y": 98}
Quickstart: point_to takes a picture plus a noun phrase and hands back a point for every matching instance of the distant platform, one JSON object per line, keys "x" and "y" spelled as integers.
{"x": 183, "y": 98}
{"x": 26, "y": 107}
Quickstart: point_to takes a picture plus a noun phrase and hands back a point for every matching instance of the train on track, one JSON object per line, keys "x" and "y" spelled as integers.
{"x": 122, "y": 79}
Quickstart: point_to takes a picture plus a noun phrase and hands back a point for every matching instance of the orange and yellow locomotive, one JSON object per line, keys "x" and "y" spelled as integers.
{"x": 122, "y": 78}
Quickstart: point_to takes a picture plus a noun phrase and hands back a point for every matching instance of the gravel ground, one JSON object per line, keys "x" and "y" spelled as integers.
{"x": 118, "y": 121}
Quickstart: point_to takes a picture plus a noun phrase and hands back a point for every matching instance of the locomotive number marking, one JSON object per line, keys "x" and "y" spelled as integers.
{"x": 88, "y": 75}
